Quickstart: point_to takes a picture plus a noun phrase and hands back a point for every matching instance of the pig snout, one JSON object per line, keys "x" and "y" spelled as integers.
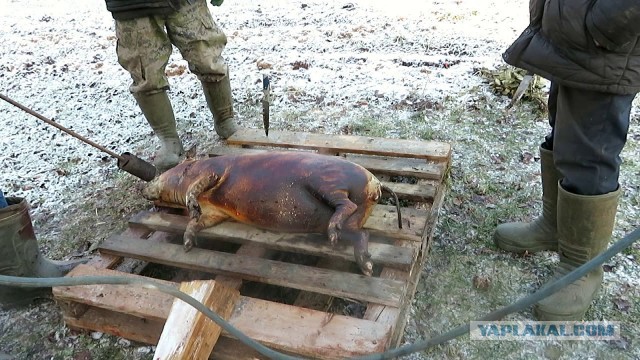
{"x": 152, "y": 190}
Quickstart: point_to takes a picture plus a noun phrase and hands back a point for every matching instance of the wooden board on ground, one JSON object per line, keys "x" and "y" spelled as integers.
{"x": 354, "y": 286}
{"x": 298, "y": 294}
{"x": 312, "y": 244}
{"x": 284, "y": 327}
{"x": 190, "y": 334}
{"x": 431, "y": 150}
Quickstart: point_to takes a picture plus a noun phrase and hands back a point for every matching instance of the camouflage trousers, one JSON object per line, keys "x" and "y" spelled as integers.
{"x": 145, "y": 45}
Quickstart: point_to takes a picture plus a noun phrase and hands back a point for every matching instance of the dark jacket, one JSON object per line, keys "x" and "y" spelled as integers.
{"x": 560, "y": 44}
{"x": 133, "y": 9}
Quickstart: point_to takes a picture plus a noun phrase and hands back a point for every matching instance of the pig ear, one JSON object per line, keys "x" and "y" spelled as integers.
{"x": 191, "y": 153}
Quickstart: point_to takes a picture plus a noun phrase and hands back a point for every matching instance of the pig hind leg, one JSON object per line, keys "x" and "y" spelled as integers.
{"x": 360, "y": 240}
{"x": 343, "y": 207}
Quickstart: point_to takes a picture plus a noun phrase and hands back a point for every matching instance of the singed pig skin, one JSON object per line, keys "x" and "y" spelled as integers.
{"x": 281, "y": 191}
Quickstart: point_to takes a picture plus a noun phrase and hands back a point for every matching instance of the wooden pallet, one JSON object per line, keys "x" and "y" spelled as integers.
{"x": 314, "y": 275}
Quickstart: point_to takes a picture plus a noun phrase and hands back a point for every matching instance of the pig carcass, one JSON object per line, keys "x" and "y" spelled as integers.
{"x": 285, "y": 191}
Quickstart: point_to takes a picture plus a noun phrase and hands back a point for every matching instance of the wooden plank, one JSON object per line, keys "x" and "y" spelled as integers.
{"x": 148, "y": 332}
{"x": 355, "y": 286}
{"x": 250, "y": 250}
{"x": 316, "y": 301}
{"x": 104, "y": 261}
{"x": 118, "y": 324}
{"x": 382, "y": 221}
{"x": 312, "y": 244}
{"x": 396, "y": 316}
{"x": 188, "y": 333}
{"x": 417, "y": 168}
{"x": 311, "y": 333}
{"x": 409, "y": 167}
{"x": 284, "y": 327}
{"x": 391, "y": 315}
{"x": 109, "y": 262}
{"x": 413, "y": 192}
{"x": 232, "y": 349}
{"x": 412, "y": 284}
{"x": 432, "y": 150}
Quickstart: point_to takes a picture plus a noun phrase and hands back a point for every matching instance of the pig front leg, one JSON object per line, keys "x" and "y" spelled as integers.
{"x": 195, "y": 225}
{"x": 197, "y": 221}
{"x": 344, "y": 208}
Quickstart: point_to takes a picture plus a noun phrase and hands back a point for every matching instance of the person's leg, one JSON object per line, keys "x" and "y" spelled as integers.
{"x": 143, "y": 50}
{"x": 201, "y": 43}
{"x": 539, "y": 234}
{"x": 20, "y": 254}
{"x": 589, "y": 134}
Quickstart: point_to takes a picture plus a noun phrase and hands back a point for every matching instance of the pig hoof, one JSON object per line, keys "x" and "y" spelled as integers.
{"x": 188, "y": 245}
{"x": 367, "y": 268}
{"x": 333, "y": 237}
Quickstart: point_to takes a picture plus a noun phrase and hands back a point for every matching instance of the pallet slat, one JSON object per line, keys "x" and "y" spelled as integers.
{"x": 431, "y": 150}
{"x": 284, "y": 327}
{"x": 396, "y": 316}
{"x": 409, "y": 167}
{"x": 382, "y": 221}
{"x": 354, "y": 286}
{"x": 413, "y": 192}
{"x": 190, "y": 334}
{"x": 312, "y": 244}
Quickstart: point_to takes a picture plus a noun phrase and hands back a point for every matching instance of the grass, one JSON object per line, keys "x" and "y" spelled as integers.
{"x": 105, "y": 207}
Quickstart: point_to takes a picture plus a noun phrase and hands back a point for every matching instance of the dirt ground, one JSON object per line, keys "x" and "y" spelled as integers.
{"x": 398, "y": 70}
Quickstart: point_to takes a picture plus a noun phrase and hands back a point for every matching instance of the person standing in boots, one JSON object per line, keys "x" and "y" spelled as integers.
{"x": 590, "y": 51}
{"x": 146, "y": 30}
{"x": 21, "y": 256}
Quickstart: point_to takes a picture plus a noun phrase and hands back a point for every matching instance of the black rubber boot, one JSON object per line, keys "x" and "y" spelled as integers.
{"x": 585, "y": 225}
{"x": 541, "y": 233}
{"x": 159, "y": 114}
{"x": 20, "y": 256}
{"x": 220, "y": 102}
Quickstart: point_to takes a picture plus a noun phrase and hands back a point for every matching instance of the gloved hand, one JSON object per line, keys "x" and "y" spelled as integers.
{"x": 216, "y": 2}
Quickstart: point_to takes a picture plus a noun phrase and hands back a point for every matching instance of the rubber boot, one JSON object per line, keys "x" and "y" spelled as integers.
{"x": 20, "y": 256}
{"x": 159, "y": 114}
{"x": 541, "y": 233}
{"x": 585, "y": 225}
{"x": 220, "y": 102}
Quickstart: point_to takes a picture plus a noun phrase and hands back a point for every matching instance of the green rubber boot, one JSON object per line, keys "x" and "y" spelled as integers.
{"x": 159, "y": 114}
{"x": 585, "y": 224}
{"x": 20, "y": 256}
{"x": 541, "y": 233}
{"x": 220, "y": 102}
